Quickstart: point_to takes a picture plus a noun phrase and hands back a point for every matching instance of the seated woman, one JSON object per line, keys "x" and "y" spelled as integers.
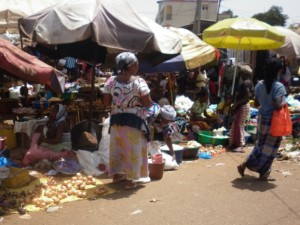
{"x": 199, "y": 116}
{"x": 55, "y": 143}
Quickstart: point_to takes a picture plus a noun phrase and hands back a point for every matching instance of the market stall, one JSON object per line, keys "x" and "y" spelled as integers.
{"x": 25, "y": 67}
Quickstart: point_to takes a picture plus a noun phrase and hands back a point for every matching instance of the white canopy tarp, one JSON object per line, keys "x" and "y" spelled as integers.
{"x": 12, "y": 10}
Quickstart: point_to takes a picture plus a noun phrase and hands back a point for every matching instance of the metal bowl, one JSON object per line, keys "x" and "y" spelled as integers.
{"x": 67, "y": 166}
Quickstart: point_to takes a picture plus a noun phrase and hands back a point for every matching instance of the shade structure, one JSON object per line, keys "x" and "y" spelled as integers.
{"x": 91, "y": 29}
{"x": 194, "y": 53}
{"x": 291, "y": 46}
{"x": 28, "y": 68}
{"x": 103, "y": 26}
{"x": 12, "y": 10}
{"x": 243, "y": 34}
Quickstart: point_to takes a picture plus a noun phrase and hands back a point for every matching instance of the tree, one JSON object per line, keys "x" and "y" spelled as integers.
{"x": 230, "y": 13}
{"x": 274, "y": 16}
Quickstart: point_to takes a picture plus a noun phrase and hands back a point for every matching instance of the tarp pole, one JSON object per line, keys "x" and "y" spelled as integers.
{"x": 235, "y": 66}
{"x": 171, "y": 89}
{"x": 21, "y": 36}
{"x": 90, "y": 118}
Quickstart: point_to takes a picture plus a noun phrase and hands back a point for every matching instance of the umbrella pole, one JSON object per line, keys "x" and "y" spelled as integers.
{"x": 90, "y": 118}
{"x": 234, "y": 75}
{"x": 171, "y": 90}
{"x": 235, "y": 67}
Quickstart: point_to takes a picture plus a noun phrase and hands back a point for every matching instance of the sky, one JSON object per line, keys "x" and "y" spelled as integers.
{"x": 241, "y": 8}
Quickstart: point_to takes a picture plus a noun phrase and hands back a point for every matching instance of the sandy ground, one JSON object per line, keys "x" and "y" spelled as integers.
{"x": 199, "y": 192}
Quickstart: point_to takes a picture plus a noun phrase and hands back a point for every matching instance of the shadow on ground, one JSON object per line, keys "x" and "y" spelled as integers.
{"x": 253, "y": 184}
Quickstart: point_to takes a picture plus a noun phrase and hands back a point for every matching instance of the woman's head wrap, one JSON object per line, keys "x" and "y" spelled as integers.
{"x": 168, "y": 112}
{"x": 125, "y": 59}
{"x": 153, "y": 112}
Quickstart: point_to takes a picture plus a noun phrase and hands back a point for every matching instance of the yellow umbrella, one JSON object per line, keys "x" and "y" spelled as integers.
{"x": 243, "y": 34}
{"x": 194, "y": 53}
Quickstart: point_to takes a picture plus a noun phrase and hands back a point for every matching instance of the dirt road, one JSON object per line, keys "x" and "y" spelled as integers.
{"x": 200, "y": 192}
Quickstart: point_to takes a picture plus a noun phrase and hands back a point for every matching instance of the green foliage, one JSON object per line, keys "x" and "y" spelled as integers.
{"x": 230, "y": 13}
{"x": 274, "y": 16}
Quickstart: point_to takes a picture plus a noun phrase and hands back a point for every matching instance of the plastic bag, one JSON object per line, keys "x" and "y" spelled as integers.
{"x": 205, "y": 155}
{"x": 7, "y": 162}
{"x": 96, "y": 163}
{"x": 103, "y": 150}
{"x": 281, "y": 124}
{"x": 89, "y": 162}
{"x": 170, "y": 164}
{"x": 153, "y": 147}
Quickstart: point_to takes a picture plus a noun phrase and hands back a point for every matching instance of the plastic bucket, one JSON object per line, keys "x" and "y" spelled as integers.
{"x": 179, "y": 156}
{"x": 156, "y": 170}
{"x": 157, "y": 158}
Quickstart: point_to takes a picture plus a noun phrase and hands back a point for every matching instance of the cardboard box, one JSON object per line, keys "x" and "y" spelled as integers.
{"x": 18, "y": 177}
{"x": 10, "y": 138}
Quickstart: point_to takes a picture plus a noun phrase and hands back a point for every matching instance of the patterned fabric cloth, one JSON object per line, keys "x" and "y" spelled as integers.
{"x": 70, "y": 63}
{"x": 171, "y": 129}
{"x": 237, "y": 131}
{"x": 126, "y": 97}
{"x": 265, "y": 149}
{"x": 128, "y": 143}
{"x": 128, "y": 153}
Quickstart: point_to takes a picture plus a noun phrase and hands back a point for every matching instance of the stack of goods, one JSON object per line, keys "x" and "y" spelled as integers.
{"x": 45, "y": 192}
{"x": 211, "y": 150}
{"x": 97, "y": 105}
{"x": 24, "y": 110}
{"x": 216, "y": 137}
{"x": 182, "y": 105}
{"x": 71, "y": 108}
{"x": 191, "y": 149}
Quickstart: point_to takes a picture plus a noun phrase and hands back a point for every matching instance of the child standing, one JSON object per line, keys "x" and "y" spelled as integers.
{"x": 223, "y": 110}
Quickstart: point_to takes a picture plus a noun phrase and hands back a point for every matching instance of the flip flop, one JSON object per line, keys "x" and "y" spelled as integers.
{"x": 238, "y": 149}
{"x": 119, "y": 179}
{"x": 267, "y": 179}
{"x": 241, "y": 170}
{"x": 131, "y": 186}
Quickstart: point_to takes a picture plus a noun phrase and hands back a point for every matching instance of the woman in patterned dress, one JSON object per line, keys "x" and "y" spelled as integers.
{"x": 240, "y": 110}
{"x": 129, "y": 97}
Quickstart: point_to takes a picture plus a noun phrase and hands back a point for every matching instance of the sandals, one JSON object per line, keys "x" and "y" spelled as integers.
{"x": 119, "y": 178}
{"x": 130, "y": 185}
{"x": 267, "y": 179}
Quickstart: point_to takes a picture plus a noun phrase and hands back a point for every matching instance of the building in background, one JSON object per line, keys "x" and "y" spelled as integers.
{"x": 181, "y": 13}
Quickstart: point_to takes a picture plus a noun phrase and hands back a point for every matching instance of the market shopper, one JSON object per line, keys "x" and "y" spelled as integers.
{"x": 270, "y": 94}
{"x": 128, "y": 96}
{"x": 55, "y": 142}
{"x": 285, "y": 74}
{"x": 240, "y": 110}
